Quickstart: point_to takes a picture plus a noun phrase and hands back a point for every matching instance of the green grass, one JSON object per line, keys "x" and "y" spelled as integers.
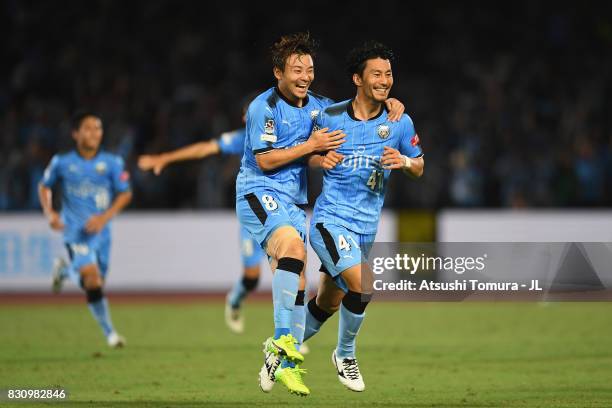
{"x": 417, "y": 355}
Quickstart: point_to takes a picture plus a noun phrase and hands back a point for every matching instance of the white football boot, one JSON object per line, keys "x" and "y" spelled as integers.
{"x": 348, "y": 373}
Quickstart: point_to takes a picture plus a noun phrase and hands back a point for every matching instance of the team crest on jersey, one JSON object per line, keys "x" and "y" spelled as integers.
{"x": 314, "y": 114}
{"x": 269, "y": 127}
{"x": 383, "y": 131}
{"x": 100, "y": 167}
{"x": 73, "y": 168}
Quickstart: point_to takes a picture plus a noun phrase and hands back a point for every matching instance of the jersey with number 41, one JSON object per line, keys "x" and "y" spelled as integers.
{"x": 88, "y": 188}
{"x": 274, "y": 123}
{"x": 354, "y": 191}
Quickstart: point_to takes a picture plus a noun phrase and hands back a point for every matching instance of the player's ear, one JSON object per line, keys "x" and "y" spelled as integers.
{"x": 278, "y": 74}
{"x": 357, "y": 79}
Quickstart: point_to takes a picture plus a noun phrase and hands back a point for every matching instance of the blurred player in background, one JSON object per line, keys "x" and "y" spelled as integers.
{"x": 271, "y": 188}
{"x": 229, "y": 143}
{"x": 94, "y": 189}
{"x": 346, "y": 214}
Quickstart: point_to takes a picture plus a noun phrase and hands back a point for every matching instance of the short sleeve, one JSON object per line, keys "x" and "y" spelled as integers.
{"x": 232, "y": 142}
{"x": 318, "y": 121}
{"x": 51, "y": 174}
{"x": 409, "y": 140}
{"x": 261, "y": 127}
{"x": 121, "y": 178}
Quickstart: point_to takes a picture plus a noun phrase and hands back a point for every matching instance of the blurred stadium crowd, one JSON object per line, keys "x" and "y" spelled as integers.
{"x": 513, "y": 102}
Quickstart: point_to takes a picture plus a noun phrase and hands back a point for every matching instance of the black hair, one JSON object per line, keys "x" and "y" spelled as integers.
{"x": 298, "y": 43}
{"x": 78, "y": 117}
{"x": 358, "y": 56}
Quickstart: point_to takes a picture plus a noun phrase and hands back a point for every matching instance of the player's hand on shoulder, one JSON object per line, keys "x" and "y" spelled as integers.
{"x": 322, "y": 140}
{"x": 153, "y": 162}
{"x": 55, "y": 221}
{"x": 331, "y": 160}
{"x": 392, "y": 159}
{"x": 396, "y": 109}
{"x": 95, "y": 223}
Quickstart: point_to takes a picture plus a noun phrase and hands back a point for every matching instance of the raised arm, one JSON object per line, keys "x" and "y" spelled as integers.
{"x": 157, "y": 162}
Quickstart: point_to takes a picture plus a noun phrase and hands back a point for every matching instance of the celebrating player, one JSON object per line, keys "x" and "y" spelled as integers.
{"x": 271, "y": 187}
{"x": 346, "y": 213}
{"x": 228, "y": 143}
{"x": 94, "y": 189}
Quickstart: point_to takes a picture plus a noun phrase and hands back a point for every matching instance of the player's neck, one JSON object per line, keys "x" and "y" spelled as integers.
{"x": 289, "y": 97}
{"x": 365, "y": 108}
{"x": 87, "y": 154}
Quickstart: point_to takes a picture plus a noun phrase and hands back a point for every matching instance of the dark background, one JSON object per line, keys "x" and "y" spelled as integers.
{"x": 512, "y": 102}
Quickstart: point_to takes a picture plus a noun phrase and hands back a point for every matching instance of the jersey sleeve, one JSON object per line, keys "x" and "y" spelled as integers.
{"x": 121, "y": 178}
{"x": 409, "y": 140}
{"x": 261, "y": 127}
{"x": 232, "y": 142}
{"x": 319, "y": 121}
{"x": 51, "y": 174}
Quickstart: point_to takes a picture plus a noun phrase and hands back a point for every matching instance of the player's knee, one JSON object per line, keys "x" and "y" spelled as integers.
{"x": 91, "y": 281}
{"x": 330, "y": 306}
{"x": 356, "y": 302}
{"x": 94, "y": 295}
{"x": 252, "y": 272}
{"x": 90, "y": 278}
{"x": 294, "y": 249}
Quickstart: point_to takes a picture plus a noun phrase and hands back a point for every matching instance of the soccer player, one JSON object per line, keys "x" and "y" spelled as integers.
{"x": 346, "y": 214}
{"x": 229, "y": 143}
{"x": 271, "y": 187}
{"x": 94, "y": 188}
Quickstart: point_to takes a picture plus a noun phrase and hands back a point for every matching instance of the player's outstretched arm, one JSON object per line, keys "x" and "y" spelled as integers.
{"x": 396, "y": 109}
{"x": 157, "y": 162}
{"x": 319, "y": 141}
{"x": 97, "y": 222}
{"x": 392, "y": 159}
{"x": 45, "y": 197}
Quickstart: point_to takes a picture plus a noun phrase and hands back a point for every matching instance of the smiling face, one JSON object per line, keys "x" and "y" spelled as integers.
{"x": 89, "y": 134}
{"x": 376, "y": 80}
{"x": 296, "y": 77}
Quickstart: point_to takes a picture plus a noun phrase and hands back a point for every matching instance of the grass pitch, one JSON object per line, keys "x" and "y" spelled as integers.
{"x": 411, "y": 355}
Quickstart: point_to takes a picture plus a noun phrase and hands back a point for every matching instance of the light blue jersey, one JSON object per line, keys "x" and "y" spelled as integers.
{"x": 354, "y": 191}
{"x": 274, "y": 123}
{"x": 232, "y": 142}
{"x": 88, "y": 188}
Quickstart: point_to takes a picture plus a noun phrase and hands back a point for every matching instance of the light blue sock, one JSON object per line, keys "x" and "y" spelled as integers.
{"x": 99, "y": 309}
{"x": 237, "y": 294}
{"x": 298, "y": 323}
{"x": 312, "y": 326}
{"x": 348, "y": 327}
{"x": 284, "y": 290}
{"x": 314, "y": 321}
